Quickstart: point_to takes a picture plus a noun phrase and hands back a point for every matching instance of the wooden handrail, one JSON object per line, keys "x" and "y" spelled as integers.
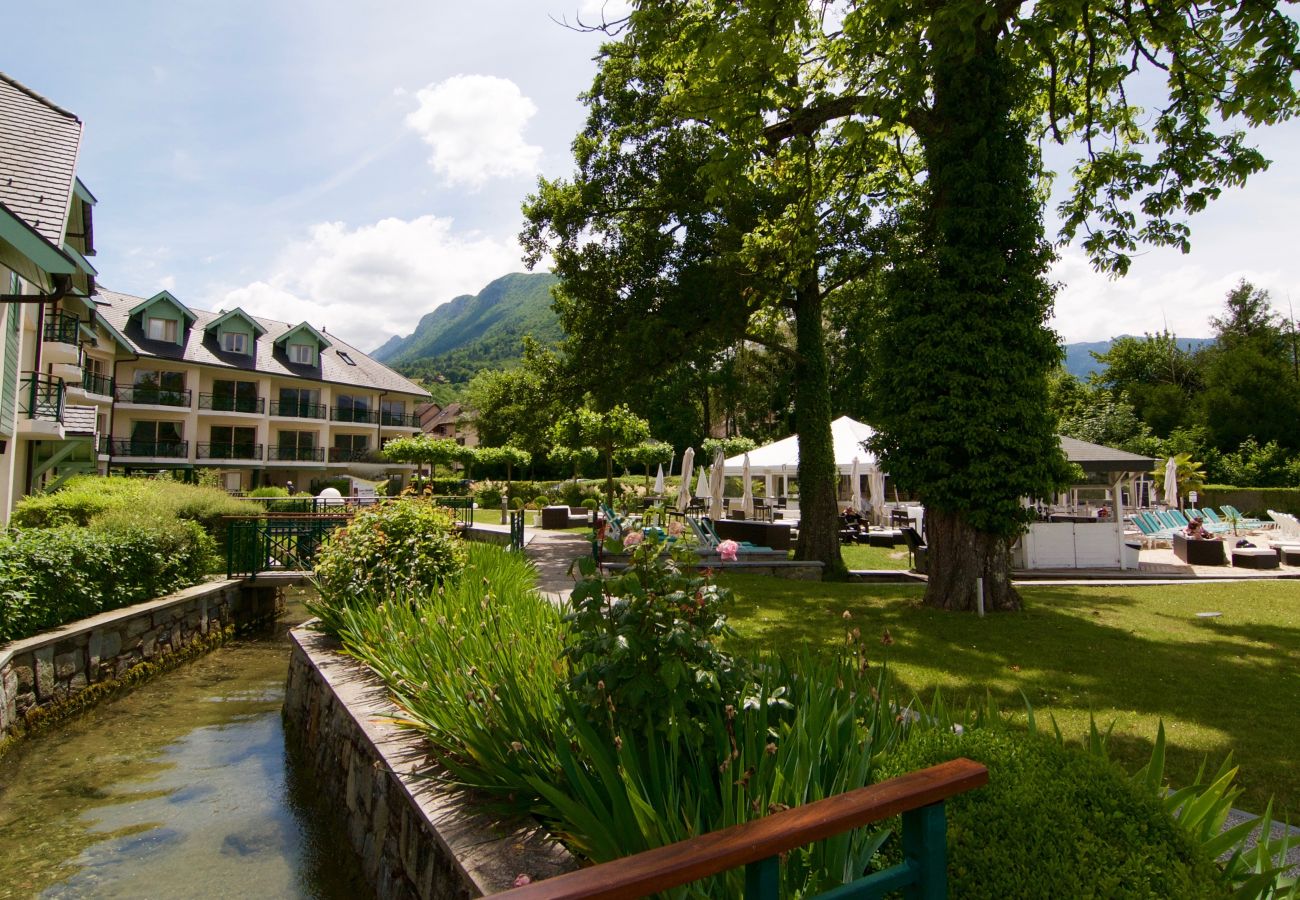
{"x": 720, "y": 851}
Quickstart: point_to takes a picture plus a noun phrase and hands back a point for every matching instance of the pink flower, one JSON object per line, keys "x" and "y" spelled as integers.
{"x": 676, "y": 529}
{"x": 632, "y": 538}
{"x": 729, "y": 550}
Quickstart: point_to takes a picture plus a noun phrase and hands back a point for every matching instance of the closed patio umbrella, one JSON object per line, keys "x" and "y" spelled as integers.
{"x": 876, "y": 483}
{"x": 702, "y": 484}
{"x": 747, "y": 498}
{"x": 1171, "y": 483}
{"x": 855, "y": 485}
{"x": 684, "y": 492}
{"x": 659, "y": 481}
{"x": 715, "y": 485}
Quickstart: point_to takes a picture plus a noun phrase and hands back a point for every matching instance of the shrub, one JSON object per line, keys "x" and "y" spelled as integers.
{"x": 573, "y": 493}
{"x": 269, "y": 491}
{"x": 643, "y": 646}
{"x": 517, "y": 503}
{"x": 49, "y": 576}
{"x": 591, "y": 503}
{"x": 488, "y": 497}
{"x": 440, "y": 487}
{"x": 85, "y": 498}
{"x": 1053, "y": 821}
{"x": 540, "y": 502}
{"x": 407, "y": 545}
{"x": 526, "y": 490}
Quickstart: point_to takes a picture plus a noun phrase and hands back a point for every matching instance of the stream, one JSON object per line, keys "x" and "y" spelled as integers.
{"x": 183, "y": 787}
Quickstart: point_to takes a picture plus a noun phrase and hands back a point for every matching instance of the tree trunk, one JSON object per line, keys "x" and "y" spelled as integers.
{"x": 819, "y": 533}
{"x": 958, "y": 556}
{"x": 609, "y": 476}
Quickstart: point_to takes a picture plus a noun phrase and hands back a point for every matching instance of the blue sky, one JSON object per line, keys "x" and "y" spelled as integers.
{"x": 357, "y": 164}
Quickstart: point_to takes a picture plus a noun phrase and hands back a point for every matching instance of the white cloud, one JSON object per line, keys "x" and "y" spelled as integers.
{"x": 1163, "y": 289}
{"x": 592, "y": 11}
{"x": 475, "y": 124}
{"x": 368, "y": 283}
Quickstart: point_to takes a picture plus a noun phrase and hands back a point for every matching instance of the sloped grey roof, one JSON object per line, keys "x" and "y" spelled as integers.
{"x": 1098, "y": 458}
{"x": 39, "y": 143}
{"x": 203, "y": 349}
{"x": 79, "y": 419}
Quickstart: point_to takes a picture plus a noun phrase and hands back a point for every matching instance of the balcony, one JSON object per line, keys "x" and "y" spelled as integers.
{"x": 350, "y": 454}
{"x": 59, "y": 340}
{"x": 43, "y": 397}
{"x": 151, "y": 449}
{"x": 295, "y": 454}
{"x": 60, "y": 328}
{"x": 399, "y": 420}
{"x": 296, "y": 409}
{"x": 227, "y": 403}
{"x": 350, "y": 414}
{"x": 239, "y": 451}
{"x": 152, "y": 396}
{"x": 99, "y": 385}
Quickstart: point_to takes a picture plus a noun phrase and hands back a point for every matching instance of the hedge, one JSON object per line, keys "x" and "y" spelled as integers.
{"x": 1251, "y": 501}
{"x": 1054, "y": 821}
{"x": 49, "y": 576}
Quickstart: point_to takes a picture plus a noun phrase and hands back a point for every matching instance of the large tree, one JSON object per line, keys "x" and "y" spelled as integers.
{"x": 946, "y": 103}
{"x": 675, "y": 246}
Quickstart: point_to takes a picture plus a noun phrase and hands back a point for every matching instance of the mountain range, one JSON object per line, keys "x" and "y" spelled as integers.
{"x": 476, "y": 331}
{"x": 480, "y": 331}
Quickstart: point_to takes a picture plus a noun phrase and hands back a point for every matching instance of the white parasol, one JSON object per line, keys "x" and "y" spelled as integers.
{"x": 1171, "y": 483}
{"x": 659, "y": 481}
{"x": 855, "y": 485}
{"x": 702, "y": 484}
{"x": 684, "y": 492}
{"x": 747, "y": 498}
{"x": 715, "y": 485}
{"x": 876, "y": 484}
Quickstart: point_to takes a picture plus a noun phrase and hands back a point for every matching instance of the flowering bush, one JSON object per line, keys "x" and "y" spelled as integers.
{"x": 394, "y": 546}
{"x": 643, "y": 644}
{"x": 729, "y": 550}
{"x": 631, "y": 539}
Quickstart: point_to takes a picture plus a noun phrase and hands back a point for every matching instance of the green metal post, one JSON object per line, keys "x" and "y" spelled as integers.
{"x": 763, "y": 879}
{"x": 925, "y": 834}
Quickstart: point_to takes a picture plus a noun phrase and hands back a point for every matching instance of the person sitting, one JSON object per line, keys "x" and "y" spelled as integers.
{"x": 1196, "y": 530}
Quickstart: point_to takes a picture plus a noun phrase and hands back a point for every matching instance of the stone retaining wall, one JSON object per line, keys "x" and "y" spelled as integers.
{"x": 416, "y": 838}
{"x": 486, "y": 535}
{"x": 43, "y": 675}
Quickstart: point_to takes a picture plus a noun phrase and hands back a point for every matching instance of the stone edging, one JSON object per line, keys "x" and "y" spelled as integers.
{"x": 416, "y": 836}
{"x": 47, "y": 676}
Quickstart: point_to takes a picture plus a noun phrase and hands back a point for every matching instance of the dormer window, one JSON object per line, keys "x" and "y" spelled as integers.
{"x": 302, "y": 354}
{"x": 234, "y": 342}
{"x": 162, "y": 329}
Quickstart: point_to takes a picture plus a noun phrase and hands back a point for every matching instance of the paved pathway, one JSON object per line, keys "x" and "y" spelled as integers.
{"x": 553, "y": 552}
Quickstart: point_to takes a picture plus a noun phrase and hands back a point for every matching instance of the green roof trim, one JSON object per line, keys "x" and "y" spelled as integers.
{"x": 323, "y": 341}
{"x": 79, "y": 189}
{"x": 29, "y": 243}
{"x": 235, "y": 313}
{"x": 116, "y": 335}
{"x": 165, "y": 297}
{"x": 82, "y": 263}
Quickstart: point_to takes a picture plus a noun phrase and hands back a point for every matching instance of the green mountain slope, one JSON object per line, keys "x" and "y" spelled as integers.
{"x": 476, "y": 332}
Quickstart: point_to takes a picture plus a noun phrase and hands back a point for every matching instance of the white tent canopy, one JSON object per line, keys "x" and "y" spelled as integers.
{"x": 782, "y": 457}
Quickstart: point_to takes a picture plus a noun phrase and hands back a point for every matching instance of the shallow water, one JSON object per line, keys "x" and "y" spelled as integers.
{"x": 182, "y": 788}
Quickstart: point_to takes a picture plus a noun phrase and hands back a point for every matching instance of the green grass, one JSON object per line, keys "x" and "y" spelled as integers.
{"x": 862, "y": 556}
{"x": 1129, "y": 655}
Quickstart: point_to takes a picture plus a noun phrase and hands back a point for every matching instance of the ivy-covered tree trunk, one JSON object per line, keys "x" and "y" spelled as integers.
{"x": 819, "y": 534}
{"x": 964, "y": 406}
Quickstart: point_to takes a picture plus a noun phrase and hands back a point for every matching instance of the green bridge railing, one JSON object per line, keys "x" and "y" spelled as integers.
{"x": 287, "y": 537}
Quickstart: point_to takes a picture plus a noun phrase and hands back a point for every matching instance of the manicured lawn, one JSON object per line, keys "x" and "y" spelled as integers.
{"x": 861, "y": 556}
{"x": 1131, "y": 655}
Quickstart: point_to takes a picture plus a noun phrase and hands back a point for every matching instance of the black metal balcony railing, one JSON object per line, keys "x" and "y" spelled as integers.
{"x": 297, "y": 409}
{"x": 154, "y": 449}
{"x": 295, "y": 454}
{"x": 227, "y": 403}
{"x": 351, "y": 414}
{"x": 399, "y": 420}
{"x": 350, "y": 454}
{"x": 152, "y": 396}
{"x": 97, "y": 384}
{"x": 43, "y": 397}
{"x": 229, "y": 450}
{"x": 61, "y": 328}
